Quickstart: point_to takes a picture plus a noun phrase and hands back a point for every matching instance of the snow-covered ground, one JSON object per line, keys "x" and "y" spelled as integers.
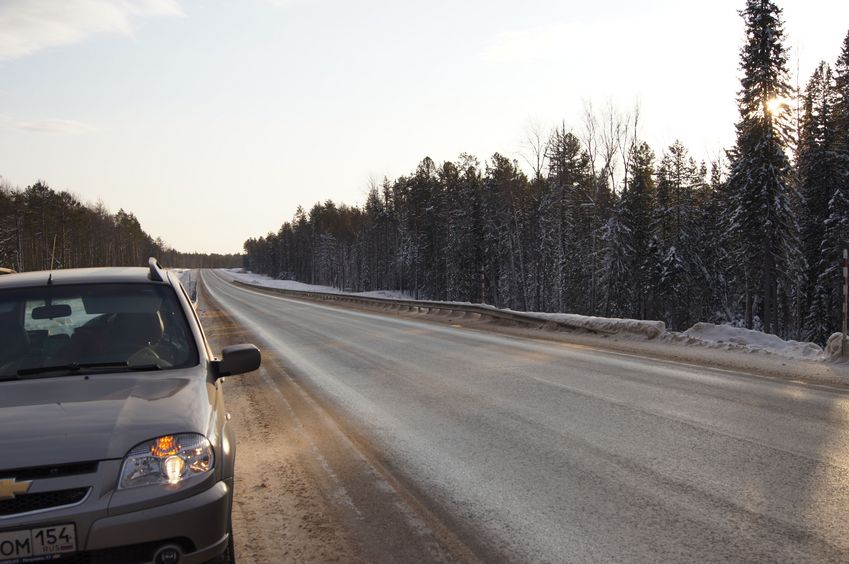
{"x": 648, "y": 329}
{"x": 188, "y": 280}
{"x": 262, "y": 280}
{"x": 608, "y": 325}
{"x": 701, "y": 335}
{"x": 708, "y": 334}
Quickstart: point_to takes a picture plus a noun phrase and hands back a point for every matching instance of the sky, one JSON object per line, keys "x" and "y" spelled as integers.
{"x": 212, "y": 120}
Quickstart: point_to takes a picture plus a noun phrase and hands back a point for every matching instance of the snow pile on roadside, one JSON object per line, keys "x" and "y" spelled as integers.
{"x": 268, "y": 282}
{"x": 834, "y": 348}
{"x": 610, "y": 325}
{"x": 648, "y": 329}
{"x": 708, "y": 334}
{"x": 248, "y": 277}
{"x": 704, "y": 335}
{"x": 388, "y": 294}
{"x": 188, "y": 281}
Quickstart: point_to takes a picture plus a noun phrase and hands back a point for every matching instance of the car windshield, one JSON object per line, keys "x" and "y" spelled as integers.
{"x": 73, "y": 329}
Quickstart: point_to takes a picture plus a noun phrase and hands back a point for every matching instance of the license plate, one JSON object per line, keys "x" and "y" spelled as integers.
{"x": 37, "y": 545}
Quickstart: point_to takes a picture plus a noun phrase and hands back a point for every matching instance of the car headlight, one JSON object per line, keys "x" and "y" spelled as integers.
{"x": 166, "y": 460}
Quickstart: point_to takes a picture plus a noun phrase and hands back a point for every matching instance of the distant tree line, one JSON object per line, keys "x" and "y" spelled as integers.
{"x": 604, "y": 225}
{"x": 41, "y": 228}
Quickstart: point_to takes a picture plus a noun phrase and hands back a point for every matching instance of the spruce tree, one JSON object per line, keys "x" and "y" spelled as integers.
{"x": 678, "y": 178}
{"x": 505, "y": 208}
{"x": 711, "y": 271}
{"x": 819, "y": 170}
{"x": 568, "y": 217}
{"x": 617, "y": 262}
{"x": 631, "y": 264}
{"x": 832, "y": 172}
{"x": 762, "y": 221}
{"x": 841, "y": 83}
{"x": 640, "y": 201}
{"x": 463, "y": 208}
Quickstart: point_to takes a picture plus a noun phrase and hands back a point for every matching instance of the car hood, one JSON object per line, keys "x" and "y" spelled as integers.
{"x": 76, "y": 419}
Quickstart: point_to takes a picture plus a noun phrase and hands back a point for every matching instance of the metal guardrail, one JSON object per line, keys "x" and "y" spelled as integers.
{"x": 421, "y": 306}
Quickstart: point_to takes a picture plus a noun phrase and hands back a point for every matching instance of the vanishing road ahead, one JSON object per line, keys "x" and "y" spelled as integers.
{"x": 528, "y": 450}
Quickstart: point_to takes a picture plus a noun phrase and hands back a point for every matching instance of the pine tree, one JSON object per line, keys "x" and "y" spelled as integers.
{"x": 764, "y": 225}
{"x": 631, "y": 261}
{"x": 568, "y": 224}
{"x": 841, "y": 83}
{"x": 713, "y": 275}
{"x": 827, "y": 138}
{"x": 462, "y": 200}
{"x": 505, "y": 209}
{"x": 617, "y": 262}
{"x": 639, "y": 199}
{"x": 419, "y": 200}
{"x": 678, "y": 178}
{"x": 819, "y": 172}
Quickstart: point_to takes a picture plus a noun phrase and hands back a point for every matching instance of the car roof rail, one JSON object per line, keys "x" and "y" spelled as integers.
{"x": 156, "y": 273}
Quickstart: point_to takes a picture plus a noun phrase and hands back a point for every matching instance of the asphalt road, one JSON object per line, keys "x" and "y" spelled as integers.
{"x": 546, "y": 452}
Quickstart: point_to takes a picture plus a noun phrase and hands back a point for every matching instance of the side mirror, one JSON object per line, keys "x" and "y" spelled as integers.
{"x": 237, "y": 359}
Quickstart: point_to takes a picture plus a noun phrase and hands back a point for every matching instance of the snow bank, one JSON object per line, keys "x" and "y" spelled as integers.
{"x": 188, "y": 281}
{"x": 268, "y": 282}
{"x": 834, "y": 348}
{"x": 708, "y": 334}
{"x": 648, "y": 329}
{"x": 609, "y": 325}
{"x": 705, "y": 335}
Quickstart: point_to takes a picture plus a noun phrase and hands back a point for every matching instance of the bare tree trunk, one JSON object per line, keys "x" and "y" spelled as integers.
{"x": 768, "y": 292}
{"x": 536, "y": 149}
{"x": 522, "y": 286}
{"x": 749, "y": 317}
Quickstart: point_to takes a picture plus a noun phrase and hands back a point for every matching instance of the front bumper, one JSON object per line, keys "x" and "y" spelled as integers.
{"x": 199, "y": 523}
{"x": 197, "y": 526}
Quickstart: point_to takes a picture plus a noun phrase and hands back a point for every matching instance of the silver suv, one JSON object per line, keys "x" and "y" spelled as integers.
{"x": 114, "y": 443}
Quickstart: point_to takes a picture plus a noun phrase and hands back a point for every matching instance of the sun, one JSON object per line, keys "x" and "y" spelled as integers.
{"x": 776, "y": 105}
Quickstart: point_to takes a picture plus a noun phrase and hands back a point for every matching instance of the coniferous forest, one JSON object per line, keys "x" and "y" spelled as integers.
{"x": 603, "y": 224}
{"x": 41, "y": 228}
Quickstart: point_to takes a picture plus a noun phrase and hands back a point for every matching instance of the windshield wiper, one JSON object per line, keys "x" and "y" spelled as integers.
{"x": 77, "y": 366}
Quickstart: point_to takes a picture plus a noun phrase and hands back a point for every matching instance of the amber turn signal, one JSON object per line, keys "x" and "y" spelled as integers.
{"x": 165, "y": 446}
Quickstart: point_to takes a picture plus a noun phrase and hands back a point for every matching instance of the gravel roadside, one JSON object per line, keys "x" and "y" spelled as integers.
{"x": 282, "y": 511}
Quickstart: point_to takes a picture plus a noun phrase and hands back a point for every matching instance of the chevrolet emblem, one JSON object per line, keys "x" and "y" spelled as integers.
{"x": 9, "y": 488}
